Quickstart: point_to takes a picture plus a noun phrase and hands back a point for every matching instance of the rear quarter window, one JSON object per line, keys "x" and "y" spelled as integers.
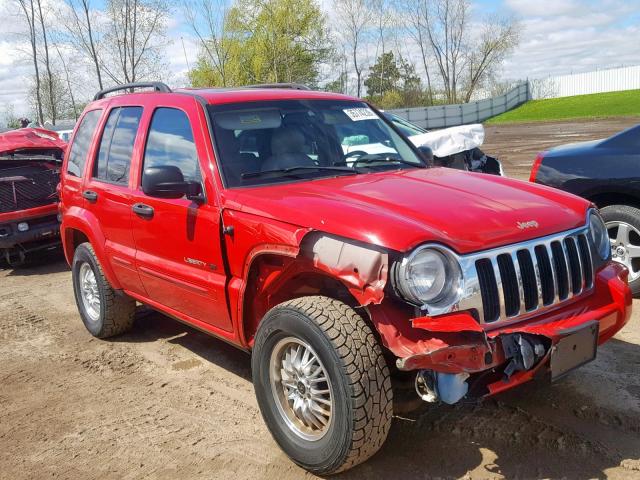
{"x": 82, "y": 142}
{"x": 116, "y": 146}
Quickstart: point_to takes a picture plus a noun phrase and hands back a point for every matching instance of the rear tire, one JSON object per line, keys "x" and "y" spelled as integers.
{"x": 615, "y": 217}
{"x": 357, "y": 403}
{"x": 104, "y": 312}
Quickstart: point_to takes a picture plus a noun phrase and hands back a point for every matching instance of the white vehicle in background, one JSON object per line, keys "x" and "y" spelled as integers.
{"x": 455, "y": 147}
{"x": 65, "y": 135}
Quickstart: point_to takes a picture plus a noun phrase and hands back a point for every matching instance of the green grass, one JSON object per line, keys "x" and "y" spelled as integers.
{"x": 597, "y": 105}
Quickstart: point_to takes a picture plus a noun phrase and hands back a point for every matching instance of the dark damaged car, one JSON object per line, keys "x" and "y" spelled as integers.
{"x": 30, "y": 161}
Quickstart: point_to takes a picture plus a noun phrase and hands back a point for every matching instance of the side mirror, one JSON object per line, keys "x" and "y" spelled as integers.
{"x": 167, "y": 181}
{"x": 427, "y": 154}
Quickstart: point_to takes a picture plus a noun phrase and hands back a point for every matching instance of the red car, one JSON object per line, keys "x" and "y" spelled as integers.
{"x": 30, "y": 161}
{"x": 237, "y": 212}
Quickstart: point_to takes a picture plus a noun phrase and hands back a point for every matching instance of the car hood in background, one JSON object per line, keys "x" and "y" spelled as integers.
{"x": 628, "y": 139}
{"x": 450, "y": 141}
{"x": 29, "y": 139}
{"x": 573, "y": 148}
{"x": 404, "y": 208}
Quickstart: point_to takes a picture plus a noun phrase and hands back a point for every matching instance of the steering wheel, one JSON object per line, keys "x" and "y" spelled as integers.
{"x": 354, "y": 153}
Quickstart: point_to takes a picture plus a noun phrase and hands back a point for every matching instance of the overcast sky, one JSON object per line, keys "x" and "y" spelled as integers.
{"x": 558, "y": 37}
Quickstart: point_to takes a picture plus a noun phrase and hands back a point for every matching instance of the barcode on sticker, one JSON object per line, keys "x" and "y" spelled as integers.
{"x": 357, "y": 114}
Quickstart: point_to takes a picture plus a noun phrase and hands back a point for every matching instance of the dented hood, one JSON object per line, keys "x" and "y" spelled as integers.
{"x": 399, "y": 210}
{"x": 30, "y": 139}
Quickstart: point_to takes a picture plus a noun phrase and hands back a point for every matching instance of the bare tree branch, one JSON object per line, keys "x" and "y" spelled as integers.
{"x": 84, "y": 34}
{"x": 28, "y": 10}
{"x": 355, "y": 17}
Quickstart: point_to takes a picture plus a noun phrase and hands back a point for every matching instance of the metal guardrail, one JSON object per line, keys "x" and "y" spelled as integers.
{"x": 443, "y": 116}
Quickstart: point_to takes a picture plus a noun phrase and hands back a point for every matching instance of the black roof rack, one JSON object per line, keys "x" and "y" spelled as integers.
{"x": 157, "y": 86}
{"x": 292, "y": 86}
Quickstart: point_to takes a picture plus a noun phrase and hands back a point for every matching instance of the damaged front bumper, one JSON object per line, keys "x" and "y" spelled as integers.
{"x": 454, "y": 349}
{"x": 28, "y": 231}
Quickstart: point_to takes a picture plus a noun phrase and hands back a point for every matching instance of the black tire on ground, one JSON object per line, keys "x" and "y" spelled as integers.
{"x": 626, "y": 214}
{"x": 116, "y": 310}
{"x": 362, "y": 395}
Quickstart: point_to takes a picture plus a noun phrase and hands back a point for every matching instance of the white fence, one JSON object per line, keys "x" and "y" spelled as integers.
{"x": 442, "y": 116}
{"x": 611, "y": 80}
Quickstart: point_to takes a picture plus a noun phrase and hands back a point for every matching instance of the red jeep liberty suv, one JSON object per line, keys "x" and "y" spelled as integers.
{"x": 346, "y": 275}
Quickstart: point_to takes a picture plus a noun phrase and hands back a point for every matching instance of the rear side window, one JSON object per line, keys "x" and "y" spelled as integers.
{"x": 82, "y": 142}
{"x": 116, "y": 146}
{"x": 171, "y": 142}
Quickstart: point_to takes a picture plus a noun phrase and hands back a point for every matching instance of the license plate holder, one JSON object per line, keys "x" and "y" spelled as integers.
{"x": 578, "y": 347}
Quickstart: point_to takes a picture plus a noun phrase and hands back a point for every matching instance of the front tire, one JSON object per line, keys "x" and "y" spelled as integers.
{"x": 623, "y": 226}
{"x": 322, "y": 384}
{"x": 104, "y": 312}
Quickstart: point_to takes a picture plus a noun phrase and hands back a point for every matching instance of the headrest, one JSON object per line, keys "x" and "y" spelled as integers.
{"x": 287, "y": 140}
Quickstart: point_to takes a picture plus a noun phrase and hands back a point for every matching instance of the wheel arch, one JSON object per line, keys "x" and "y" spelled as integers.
{"x": 274, "y": 279}
{"x": 80, "y": 228}
{"x": 606, "y": 199}
{"x": 341, "y": 269}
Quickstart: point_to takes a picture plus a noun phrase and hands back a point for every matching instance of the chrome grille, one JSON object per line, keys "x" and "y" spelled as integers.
{"x": 510, "y": 283}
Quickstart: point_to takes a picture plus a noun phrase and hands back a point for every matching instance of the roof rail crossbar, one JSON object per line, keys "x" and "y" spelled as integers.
{"x": 292, "y": 86}
{"x": 157, "y": 86}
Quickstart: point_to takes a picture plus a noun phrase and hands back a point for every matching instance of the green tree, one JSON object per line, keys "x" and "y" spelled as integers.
{"x": 339, "y": 85}
{"x": 392, "y": 83}
{"x": 384, "y": 76}
{"x": 413, "y": 93}
{"x": 269, "y": 41}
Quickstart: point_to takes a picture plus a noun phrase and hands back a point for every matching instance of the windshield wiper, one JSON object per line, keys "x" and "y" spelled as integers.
{"x": 290, "y": 170}
{"x": 375, "y": 158}
{"x": 381, "y": 158}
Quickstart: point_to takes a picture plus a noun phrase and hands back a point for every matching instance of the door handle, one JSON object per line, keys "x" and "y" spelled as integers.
{"x": 142, "y": 210}
{"x": 90, "y": 195}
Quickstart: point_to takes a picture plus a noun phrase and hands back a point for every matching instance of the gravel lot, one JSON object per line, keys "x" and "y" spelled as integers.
{"x": 165, "y": 400}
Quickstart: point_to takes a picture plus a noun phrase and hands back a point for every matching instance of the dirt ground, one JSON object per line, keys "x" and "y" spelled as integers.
{"x": 166, "y": 401}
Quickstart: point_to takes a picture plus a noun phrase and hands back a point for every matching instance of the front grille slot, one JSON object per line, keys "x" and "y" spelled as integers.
{"x": 585, "y": 259}
{"x": 509, "y": 285}
{"x": 488, "y": 290}
{"x": 574, "y": 265}
{"x": 528, "y": 276}
{"x": 560, "y": 265}
{"x": 546, "y": 274}
{"x": 516, "y": 281}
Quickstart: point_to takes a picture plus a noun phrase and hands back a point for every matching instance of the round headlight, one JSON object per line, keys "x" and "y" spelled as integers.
{"x": 599, "y": 235}
{"x": 429, "y": 276}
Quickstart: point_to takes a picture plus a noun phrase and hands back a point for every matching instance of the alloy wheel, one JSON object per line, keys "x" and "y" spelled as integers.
{"x": 301, "y": 388}
{"x": 89, "y": 292}
{"x": 625, "y": 246}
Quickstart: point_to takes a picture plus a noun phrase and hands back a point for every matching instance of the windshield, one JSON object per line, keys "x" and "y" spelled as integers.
{"x": 268, "y": 142}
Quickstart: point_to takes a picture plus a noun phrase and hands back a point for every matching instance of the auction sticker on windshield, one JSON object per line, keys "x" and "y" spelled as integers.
{"x": 357, "y": 114}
